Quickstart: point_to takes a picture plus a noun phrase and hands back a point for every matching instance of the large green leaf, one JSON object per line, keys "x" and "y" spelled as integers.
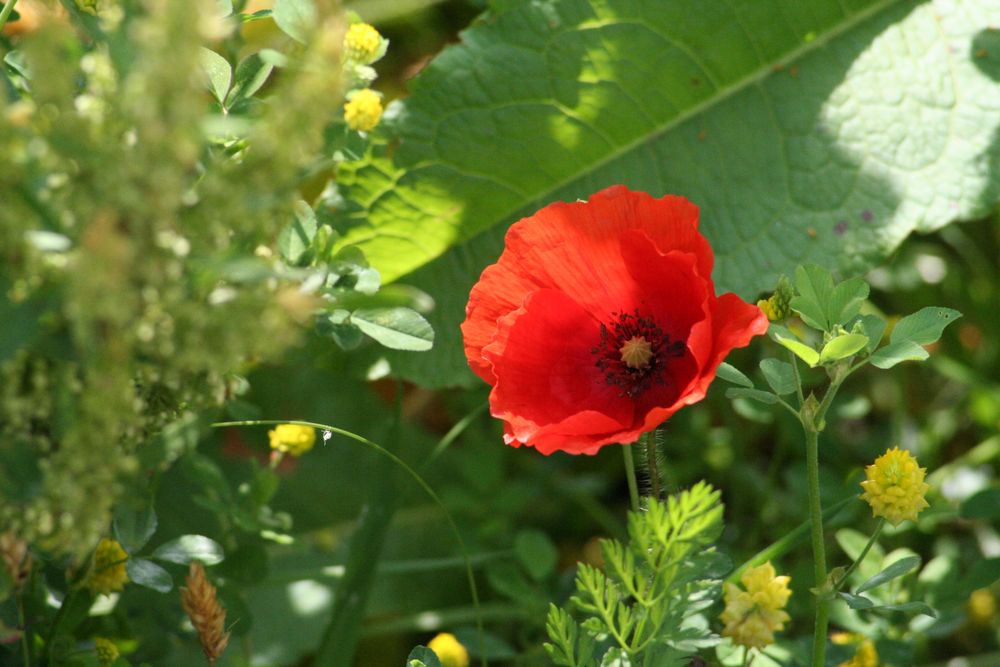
{"x": 822, "y": 131}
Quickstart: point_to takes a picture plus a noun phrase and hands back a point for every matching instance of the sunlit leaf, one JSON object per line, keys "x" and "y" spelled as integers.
{"x": 842, "y": 347}
{"x": 296, "y": 18}
{"x": 251, "y": 74}
{"x": 396, "y": 328}
{"x": 219, "y": 71}
{"x": 149, "y": 574}
{"x": 805, "y": 138}
{"x": 799, "y": 349}
{"x": 187, "y": 548}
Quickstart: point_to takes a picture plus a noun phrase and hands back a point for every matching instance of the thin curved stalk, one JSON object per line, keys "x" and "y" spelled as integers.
{"x": 414, "y": 475}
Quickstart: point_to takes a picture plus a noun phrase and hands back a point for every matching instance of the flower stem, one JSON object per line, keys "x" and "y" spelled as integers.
{"x": 633, "y": 487}
{"x": 789, "y": 541}
{"x": 24, "y": 628}
{"x": 5, "y": 12}
{"x": 818, "y": 546}
{"x": 653, "y": 468}
{"x": 358, "y": 533}
{"x": 861, "y": 557}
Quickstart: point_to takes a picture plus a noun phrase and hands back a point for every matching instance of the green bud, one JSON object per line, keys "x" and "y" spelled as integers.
{"x": 777, "y": 307}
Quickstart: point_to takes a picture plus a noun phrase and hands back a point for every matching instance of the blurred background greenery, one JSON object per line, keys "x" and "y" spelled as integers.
{"x": 527, "y": 519}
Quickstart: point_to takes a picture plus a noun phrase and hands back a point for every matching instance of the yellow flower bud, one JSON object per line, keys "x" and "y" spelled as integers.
{"x": 363, "y": 110}
{"x": 449, "y": 650}
{"x": 292, "y": 438}
{"x": 752, "y": 616}
{"x": 777, "y": 306}
{"x": 982, "y": 607}
{"x": 106, "y": 651}
{"x": 895, "y": 486}
{"x": 89, "y": 6}
{"x": 107, "y": 571}
{"x": 362, "y": 43}
{"x": 865, "y": 656}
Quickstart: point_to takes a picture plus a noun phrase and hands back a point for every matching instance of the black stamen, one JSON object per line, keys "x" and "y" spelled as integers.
{"x": 624, "y": 327}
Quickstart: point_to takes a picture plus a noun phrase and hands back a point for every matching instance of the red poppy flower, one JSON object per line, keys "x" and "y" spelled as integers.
{"x": 600, "y": 320}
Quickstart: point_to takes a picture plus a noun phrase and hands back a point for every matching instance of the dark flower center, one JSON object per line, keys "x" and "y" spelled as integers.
{"x": 633, "y": 353}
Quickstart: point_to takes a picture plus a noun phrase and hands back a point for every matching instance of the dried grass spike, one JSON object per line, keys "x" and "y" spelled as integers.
{"x": 15, "y": 557}
{"x": 207, "y": 615}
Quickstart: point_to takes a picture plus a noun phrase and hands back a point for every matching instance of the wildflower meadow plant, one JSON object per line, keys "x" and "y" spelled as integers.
{"x": 600, "y": 320}
{"x": 671, "y": 236}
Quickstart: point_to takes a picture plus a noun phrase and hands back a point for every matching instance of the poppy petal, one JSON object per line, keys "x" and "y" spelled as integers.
{"x": 576, "y": 281}
{"x": 542, "y": 359}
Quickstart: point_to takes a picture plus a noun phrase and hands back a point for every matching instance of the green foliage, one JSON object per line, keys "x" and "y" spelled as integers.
{"x": 187, "y": 548}
{"x": 780, "y": 376}
{"x": 114, "y": 183}
{"x": 645, "y": 603}
{"x": 349, "y": 288}
{"x": 421, "y": 656}
{"x": 911, "y": 333}
{"x": 833, "y": 309}
{"x": 823, "y": 305}
{"x": 801, "y": 131}
{"x": 147, "y": 573}
{"x": 730, "y": 373}
{"x": 536, "y": 553}
{"x": 176, "y": 216}
{"x": 296, "y": 18}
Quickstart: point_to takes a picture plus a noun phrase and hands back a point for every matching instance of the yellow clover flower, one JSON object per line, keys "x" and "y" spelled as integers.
{"x": 106, "y": 651}
{"x": 362, "y": 43}
{"x": 752, "y": 616}
{"x": 449, "y": 650}
{"x": 982, "y": 607}
{"x": 866, "y": 654}
{"x": 895, "y": 486}
{"x": 107, "y": 572}
{"x": 363, "y": 110}
{"x": 292, "y": 438}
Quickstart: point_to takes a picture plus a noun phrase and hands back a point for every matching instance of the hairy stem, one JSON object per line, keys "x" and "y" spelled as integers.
{"x": 653, "y": 467}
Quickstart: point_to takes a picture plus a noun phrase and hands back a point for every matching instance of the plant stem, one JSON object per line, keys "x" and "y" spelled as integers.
{"x": 339, "y": 639}
{"x": 5, "y": 12}
{"x": 812, "y": 423}
{"x": 416, "y": 477}
{"x": 818, "y": 546}
{"x": 788, "y": 542}
{"x": 24, "y": 628}
{"x": 633, "y": 487}
{"x": 864, "y": 552}
{"x": 798, "y": 378}
{"x": 653, "y": 468}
